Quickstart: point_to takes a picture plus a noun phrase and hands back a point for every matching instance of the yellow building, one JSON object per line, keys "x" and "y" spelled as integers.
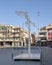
{"x": 33, "y": 39}
{"x": 12, "y": 36}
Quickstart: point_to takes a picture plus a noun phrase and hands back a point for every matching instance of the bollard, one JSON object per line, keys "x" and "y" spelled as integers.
{"x": 12, "y": 56}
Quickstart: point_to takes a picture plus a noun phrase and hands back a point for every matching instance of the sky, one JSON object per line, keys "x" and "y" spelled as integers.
{"x": 8, "y": 14}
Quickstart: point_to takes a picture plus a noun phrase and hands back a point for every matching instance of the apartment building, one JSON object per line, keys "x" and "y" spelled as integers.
{"x": 42, "y": 35}
{"x": 45, "y": 35}
{"x": 49, "y": 34}
{"x": 13, "y": 36}
{"x": 5, "y": 35}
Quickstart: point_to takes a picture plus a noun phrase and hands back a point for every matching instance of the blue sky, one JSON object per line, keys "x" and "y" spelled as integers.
{"x": 8, "y": 10}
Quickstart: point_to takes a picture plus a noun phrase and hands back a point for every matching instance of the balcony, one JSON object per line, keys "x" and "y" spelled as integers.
{"x": 1, "y": 31}
{"x": 6, "y": 39}
{"x": 10, "y": 39}
{"x": 49, "y": 27}
{"x": 42, "y": 31}
{"x": 43, "y": 40}
{"x": 41, "y": 36}
{"x": 16, "y": 40}
{"x": 1, "y": 40}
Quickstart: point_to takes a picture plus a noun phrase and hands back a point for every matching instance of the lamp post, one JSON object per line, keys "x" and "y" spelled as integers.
{"x": 38, "y": 28}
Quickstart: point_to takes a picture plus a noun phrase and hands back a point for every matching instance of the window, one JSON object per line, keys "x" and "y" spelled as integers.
{"x": 43, "y": 38}
{"x": 42, "y": 33}
{"x": 4, "y": 28}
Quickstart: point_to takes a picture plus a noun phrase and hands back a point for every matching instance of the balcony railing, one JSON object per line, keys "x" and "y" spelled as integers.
{"x": 41, "y": 35}
{"x": 11, "y": 39}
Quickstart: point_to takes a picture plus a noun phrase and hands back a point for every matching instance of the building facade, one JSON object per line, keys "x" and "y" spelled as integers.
{"x": 49, "y": 34}
{"x": 42, "y": 35}
{"x": 12, "y": 36}
{"x": 45, "y": 35}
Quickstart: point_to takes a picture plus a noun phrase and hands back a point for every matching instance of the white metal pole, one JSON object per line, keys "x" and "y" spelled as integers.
{"x": 38, "y": 25}
{"x": 29, "y": 38}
